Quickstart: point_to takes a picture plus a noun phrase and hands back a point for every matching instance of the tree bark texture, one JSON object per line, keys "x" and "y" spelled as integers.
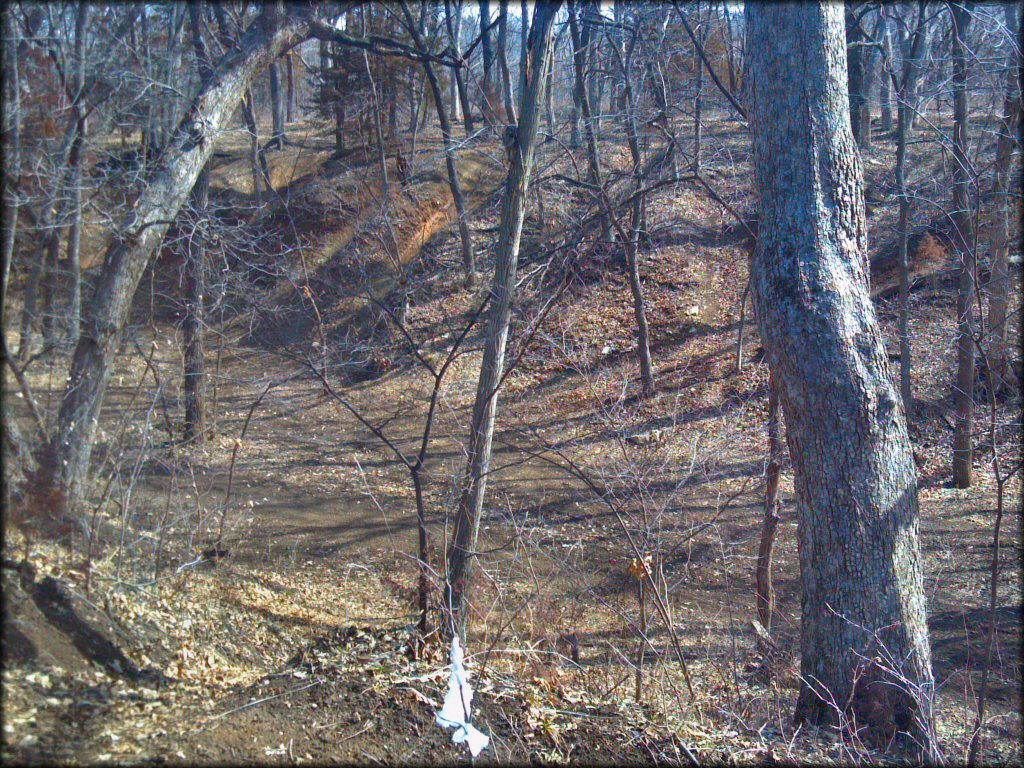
{"x": 64, "y": 461}
{"x": 513, "y": 210}
{"x": 856, "y": 490}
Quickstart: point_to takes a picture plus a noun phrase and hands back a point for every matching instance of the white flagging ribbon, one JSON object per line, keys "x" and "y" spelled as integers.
{"x": 457, "y": 706}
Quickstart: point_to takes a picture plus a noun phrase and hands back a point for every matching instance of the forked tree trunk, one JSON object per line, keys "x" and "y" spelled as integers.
{"x": 64, "y": 461}
{"x": 513, "y": 209}
{"x": 963, "y": 453}
{"x": 856, "y": 490}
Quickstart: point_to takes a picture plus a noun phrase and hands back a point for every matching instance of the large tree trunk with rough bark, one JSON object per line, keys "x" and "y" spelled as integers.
{"x": 513, "y": 210}
{"x": 864, "y": 639}
{"x": 64, "y": 461}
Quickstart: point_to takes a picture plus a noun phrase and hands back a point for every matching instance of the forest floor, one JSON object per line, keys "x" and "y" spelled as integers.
{"x": 296, "y": 646}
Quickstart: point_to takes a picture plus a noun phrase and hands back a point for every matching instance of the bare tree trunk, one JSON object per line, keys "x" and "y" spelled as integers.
{"x": 64, "y": 461}
{"x": 74, "y": 319}
{"x": 885, "y": 89}
{"x": 632, "y": 242}
{"x": 580, "y": 46}
{"x": 11, "y": 175}
{"x": 903, "y": 119}
{"x": 488, "y": 97}
{"x": 42, "y": 277}
{"x": 698, "y": 122}
{"x": 506, "y": 75}
{"x": 524, "y": 29}
{"x": 856, "y": 79}
{"x": 257, "y": 160}
{"x": 730, "y": 47}
{"x": 192, "y": 325}
{"x": 453, "y": 20}
{"x": 765, "y": 589}
{"x": 1005, "y": 377}
{"x": 513, "y": 209}
{"x": 963, "y": 453}
{"x": 289, "y": 112}
{"x": 856, "y": 490}
{"x": 276, "y": 107}
{"x": 468, "y": 256}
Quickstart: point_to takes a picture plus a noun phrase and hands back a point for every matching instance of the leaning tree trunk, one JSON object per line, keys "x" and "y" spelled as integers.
{"x": 64, "y": 461}
{"x": 513, "y": 209}
{"x": 856, "y": 490}
{"x": 964, "y": 389}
